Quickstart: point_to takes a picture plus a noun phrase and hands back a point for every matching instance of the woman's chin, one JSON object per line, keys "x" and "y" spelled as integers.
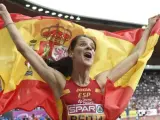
{"x": 88, "y": 64}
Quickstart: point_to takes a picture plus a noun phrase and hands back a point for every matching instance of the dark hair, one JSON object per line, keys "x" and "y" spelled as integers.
{"x": 65, "y": 65}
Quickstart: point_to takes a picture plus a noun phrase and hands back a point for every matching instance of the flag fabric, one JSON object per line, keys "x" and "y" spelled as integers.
{"x": 50, "y": 38}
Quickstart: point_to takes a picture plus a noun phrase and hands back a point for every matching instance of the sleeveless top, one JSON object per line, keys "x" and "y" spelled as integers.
{"x": 82, "y": 103}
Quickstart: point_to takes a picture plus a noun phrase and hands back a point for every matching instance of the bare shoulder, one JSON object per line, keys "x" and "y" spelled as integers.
{"x": 101, "y": 78}
{"x": 60, "y": 78}
{"x": 57, "y": 83}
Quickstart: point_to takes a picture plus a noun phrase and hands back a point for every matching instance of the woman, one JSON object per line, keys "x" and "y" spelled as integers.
{"x": 81, "y": 96}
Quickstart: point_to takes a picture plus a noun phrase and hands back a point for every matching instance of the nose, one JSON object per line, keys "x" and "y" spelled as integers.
{"x": 89, "y": 47}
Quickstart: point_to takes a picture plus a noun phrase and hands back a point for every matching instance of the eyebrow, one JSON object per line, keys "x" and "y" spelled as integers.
{"x": 82, "y": 41}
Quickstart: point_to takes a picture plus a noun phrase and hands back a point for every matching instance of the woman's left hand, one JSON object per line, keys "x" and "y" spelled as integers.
{"x": 153, "y": 20}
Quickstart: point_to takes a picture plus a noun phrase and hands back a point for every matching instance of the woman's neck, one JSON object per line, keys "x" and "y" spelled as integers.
{"x": 81, "y": 76}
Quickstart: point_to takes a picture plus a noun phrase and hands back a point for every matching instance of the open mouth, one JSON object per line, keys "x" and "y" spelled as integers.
{"x": 87, "y": 55}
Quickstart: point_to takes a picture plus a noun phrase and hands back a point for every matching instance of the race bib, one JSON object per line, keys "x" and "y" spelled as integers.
{"x": 85, "y": 112}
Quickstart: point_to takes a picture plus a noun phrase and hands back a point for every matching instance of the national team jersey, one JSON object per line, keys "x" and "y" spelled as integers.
{"x": 82, "y": 103}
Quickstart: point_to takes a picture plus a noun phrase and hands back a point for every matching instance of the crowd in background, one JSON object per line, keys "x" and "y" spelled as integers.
{"x": 147, "y": 93}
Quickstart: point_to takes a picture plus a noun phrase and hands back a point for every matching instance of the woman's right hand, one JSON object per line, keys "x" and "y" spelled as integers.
{"x": 5, "y": 14}
{"x": 2, "y": 8}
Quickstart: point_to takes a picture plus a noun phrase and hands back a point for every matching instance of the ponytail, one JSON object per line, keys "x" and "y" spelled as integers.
{"x": 64, "y": 65}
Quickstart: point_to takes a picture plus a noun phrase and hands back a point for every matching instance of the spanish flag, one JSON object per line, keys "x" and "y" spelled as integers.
{"x": 50, "y": 38}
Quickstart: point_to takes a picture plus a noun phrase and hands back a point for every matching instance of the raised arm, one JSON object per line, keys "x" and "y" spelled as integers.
{"x": 48, "y": 74}
{"x": 124, "y": 66}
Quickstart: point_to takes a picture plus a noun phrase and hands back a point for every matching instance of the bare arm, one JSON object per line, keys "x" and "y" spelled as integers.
{"x": 48, "y": 74}
{"x": 124, "y": 66}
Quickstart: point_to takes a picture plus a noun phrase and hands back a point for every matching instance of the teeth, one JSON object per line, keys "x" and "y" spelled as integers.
{"x": 88, "y": 54}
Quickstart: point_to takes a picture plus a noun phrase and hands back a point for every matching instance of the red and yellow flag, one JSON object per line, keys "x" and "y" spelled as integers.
{"x": 50, "y": 37}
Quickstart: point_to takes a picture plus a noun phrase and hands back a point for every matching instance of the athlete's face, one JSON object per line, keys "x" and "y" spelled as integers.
{"x": 84, "y": 51}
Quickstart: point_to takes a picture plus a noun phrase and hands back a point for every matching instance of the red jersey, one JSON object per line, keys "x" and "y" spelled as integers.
{"x": 82, "y": 103}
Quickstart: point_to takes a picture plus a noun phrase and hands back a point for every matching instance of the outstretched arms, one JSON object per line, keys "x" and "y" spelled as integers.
{"x": 48, "y": 74}
{"x": 124, "y": 66}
